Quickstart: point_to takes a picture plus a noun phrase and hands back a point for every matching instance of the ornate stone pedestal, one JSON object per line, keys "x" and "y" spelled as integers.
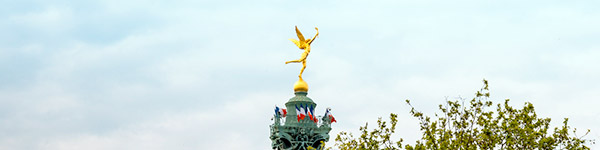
{"x": 298, "y": 135}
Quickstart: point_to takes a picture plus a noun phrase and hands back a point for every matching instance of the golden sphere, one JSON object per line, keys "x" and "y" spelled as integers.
{"x": 300, "y": 85}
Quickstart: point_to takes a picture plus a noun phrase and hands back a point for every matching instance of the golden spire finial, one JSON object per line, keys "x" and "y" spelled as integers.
{"x": 302, "y": 43}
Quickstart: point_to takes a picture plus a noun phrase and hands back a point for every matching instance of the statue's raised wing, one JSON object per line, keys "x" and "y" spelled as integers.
{"x": 300, "y": 36}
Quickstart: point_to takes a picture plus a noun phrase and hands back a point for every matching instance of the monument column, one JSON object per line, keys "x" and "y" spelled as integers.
{"x": 302, "y": 128}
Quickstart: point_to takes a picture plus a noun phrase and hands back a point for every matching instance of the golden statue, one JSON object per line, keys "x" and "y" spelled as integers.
{"x": 302, "y": 44}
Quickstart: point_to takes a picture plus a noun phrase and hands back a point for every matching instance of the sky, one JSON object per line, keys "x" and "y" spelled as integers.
{"x": 192, "y": 74}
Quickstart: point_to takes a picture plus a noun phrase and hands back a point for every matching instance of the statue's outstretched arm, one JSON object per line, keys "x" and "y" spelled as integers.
{"x": 313, "y": 39}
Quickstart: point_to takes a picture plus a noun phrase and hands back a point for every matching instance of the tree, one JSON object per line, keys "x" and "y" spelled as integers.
{"x": 475, "y": 125}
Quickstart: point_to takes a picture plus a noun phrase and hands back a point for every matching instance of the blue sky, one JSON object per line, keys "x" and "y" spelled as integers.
{"x": 205, "y": 74}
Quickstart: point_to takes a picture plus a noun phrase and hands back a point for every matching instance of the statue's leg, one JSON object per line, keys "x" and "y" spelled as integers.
{"x": 302, "y": 58}
{"x": 293, "y": 61}
{"x": 303, "y": 67}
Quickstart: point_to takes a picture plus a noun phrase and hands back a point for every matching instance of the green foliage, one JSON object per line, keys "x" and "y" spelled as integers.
{"x": 379, "y": 138}
{"x": 322, "y": 146}
{"x": 475, "y": 125}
